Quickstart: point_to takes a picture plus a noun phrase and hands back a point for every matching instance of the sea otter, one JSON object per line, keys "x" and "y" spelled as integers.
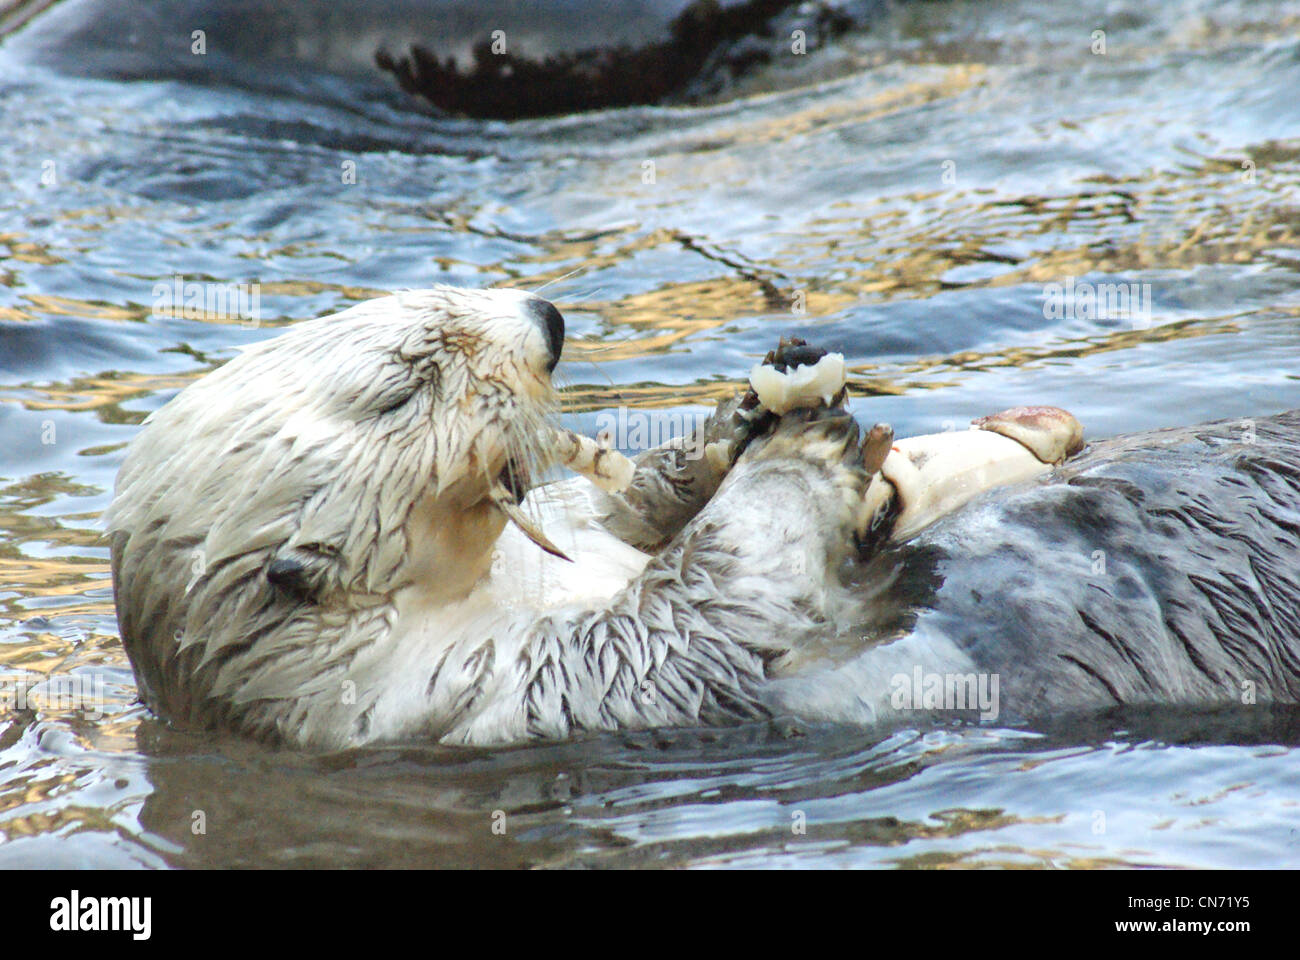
{"x": 311, "y": 546}
{"x": 499, "y": 59}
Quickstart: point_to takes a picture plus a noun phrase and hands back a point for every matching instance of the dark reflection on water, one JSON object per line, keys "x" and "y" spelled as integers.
{"x": 958, "y": 160}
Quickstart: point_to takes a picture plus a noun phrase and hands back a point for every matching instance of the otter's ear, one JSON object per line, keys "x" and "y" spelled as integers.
{"x": 302, "y": 572}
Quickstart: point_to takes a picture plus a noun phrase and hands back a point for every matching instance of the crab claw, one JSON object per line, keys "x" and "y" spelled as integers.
{"x": 1049, "y": 433}
{"x": 505, "y": 502}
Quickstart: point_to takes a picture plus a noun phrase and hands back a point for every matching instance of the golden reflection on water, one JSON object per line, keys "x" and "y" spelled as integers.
{"x": 1169, "y": 223}
{"x": 871, "y": 251}
{"x": 826, "y": 839}
{"x": 851, "y": 111}
{"x": 1204, "y": 213}
{"x": 1016, "y": 858}
{"x": 74, "y": 585}
{"x": 27, "y": 251}
{"x": 104, "y": 395}
{"x": 49, "y": 579}
{"x": 971, "y": 360}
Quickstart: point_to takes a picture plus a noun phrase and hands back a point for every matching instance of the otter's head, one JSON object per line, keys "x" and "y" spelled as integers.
{"x": 265, "y": 517}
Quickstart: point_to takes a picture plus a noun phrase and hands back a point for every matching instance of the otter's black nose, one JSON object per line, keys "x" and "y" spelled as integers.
{"x": 550, "y": 322}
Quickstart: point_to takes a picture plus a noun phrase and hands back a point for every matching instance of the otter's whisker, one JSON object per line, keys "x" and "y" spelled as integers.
{"x": 578, "y": 297}
{"x": 558, "y": 279}
{"x": 606, "y": 348}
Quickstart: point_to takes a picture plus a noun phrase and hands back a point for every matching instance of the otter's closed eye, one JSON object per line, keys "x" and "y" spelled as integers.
{"x": 394, "y": 401}
{"x": 401, "y": 386}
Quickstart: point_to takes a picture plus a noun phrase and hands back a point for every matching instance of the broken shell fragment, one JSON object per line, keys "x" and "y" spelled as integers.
{"x": 804, "y": 386}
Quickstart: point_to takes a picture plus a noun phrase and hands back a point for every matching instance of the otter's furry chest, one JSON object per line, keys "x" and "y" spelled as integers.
{"x": 468, "y": 657}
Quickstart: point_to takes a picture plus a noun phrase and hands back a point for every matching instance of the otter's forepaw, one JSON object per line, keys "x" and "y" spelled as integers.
{"x": 726, "y": 434}
{"x": 823, "y": 434}
{"x": 810, "y": 481}
{"x": 830, "y": 440}
{"x": 848, "y": 461}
